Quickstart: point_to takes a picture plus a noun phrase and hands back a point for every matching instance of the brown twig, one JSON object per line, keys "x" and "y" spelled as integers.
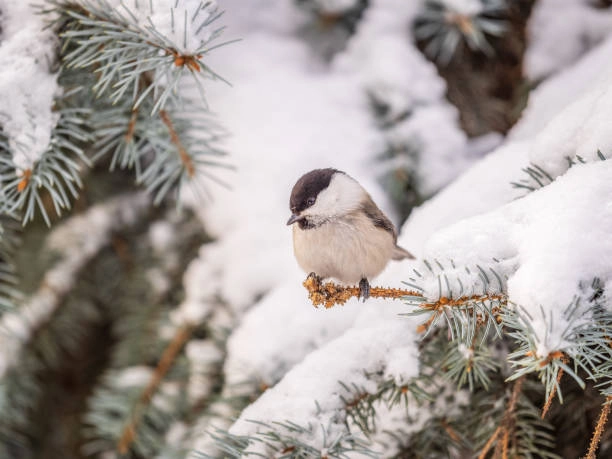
{"x": 553, "y": 392}
{"x": 186, "y": 60}
{"x": 452, "y": 433}
{"x": 25, "y": 180}
{"x": 599, "y": 428}
{"x": 128, "y": 434}
{"x": 505, "y": 428}
{"x": 330, "y": 294}
{"x": 174, "y": 138}
{"x": 129, "y": 134}
{"x": 490, "y": 442}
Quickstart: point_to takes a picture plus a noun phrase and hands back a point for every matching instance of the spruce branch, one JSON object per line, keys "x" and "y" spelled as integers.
{"x": 329, "y": 294}
{"x": 502, "y": 435}
{"x": 283, "y": 439}
{"x": 471, "y": 365}
{"x": 88, "y": 233}
{"x": 465, "y": 315}
{"x": 553, "y": 392}
{"x": 175, "y": 148}
{"x": 360, "y": 405}
{"x": 468, "y": 299}
{"x": 175, "y": 139}
{"x": 121, "y": 45}
{"x": 129, "y": 432}
{"x": 10, "y": 295}
{"x": 599, "y": 428}
{"x": 537, "y": 177}
{"x": 584, "y": 344}
{"x": 56, "y": 172}
{"x": 443, "y": 26}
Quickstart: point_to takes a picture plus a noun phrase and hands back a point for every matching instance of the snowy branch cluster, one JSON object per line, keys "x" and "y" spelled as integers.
{"x": 122, "y": 73}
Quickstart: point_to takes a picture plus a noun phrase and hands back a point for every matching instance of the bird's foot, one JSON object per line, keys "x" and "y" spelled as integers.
{"x": 317, "y": 280}
{"x": 364, "y": 289}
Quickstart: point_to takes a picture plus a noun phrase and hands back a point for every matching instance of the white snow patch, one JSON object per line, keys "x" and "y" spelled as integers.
{"x": 135, "y": 376}
{"x": 394, "y": 71}
{"x": 399, "y": 360}
{"x": 28, "y": 85}
{"x": 335, "y": 6}
{"x": 560, "y": 236}
{"x": 162, "y": 236}
{"x": 581, "y": 129}
{"x": 278, "y": 331}
{"x": 560, "y": 32}
{"x": 464, "y": 7}
{"x": 317, "y": 378}
{"x": 181, "y": 22}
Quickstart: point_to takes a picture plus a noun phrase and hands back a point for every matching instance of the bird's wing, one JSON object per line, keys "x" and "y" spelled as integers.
{"x": 377, "y": 217}
{"x": 380, "y": 220}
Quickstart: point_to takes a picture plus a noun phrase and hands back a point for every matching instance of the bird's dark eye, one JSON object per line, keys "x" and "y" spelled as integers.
{"x": 310, "y": 201}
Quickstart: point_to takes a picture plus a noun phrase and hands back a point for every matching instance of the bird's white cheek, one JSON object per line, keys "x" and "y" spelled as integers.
{"x": 343, "y": 195}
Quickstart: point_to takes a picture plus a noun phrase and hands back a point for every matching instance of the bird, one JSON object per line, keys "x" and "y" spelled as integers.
{"x": 338, "y": 230}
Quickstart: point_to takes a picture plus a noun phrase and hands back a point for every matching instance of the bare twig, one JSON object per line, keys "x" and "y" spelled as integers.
{"x": 505, "y": 428}
{"x": 553, "y": 392}
{"x": 128, "y": 434}
{"x": 599, "y": 428}
{"x": 174, "y": 138}
{"x": 330, "y": 294}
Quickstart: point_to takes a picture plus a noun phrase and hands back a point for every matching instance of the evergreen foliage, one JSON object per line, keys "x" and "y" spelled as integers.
{"x": 446, "y": 25}
{"x": 123, "y": 85}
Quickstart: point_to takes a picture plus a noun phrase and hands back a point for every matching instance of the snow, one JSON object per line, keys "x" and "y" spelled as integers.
{"x": 184, "y": 23}
{"x": 567, "y": 85}
{"x": 335, "y": 6}
{"x": 28, "y": 83}
{"x": 580, "y": 130}
{"x": 478, "y": 190}
{"x": 203, "y": 356}
{"x": 541, "y": 237}
{"x": 547, "y": 228}
{"x": 301, "y": 329}
{"x": 560, "y": 32}
{"x": 374, "y": 54}
{"x": 161, "y": 235}
{"x": 301, "y": 115}
{"x": 133, "y": 377}
{"x": 318, "y": 375}
{"x": 464, "y": 7}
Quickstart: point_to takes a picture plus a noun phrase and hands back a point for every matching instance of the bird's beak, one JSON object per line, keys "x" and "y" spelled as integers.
{"x": 294, "y": 218}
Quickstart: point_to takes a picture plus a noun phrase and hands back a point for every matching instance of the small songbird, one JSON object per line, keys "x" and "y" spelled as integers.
{"x": 338, "y": 231}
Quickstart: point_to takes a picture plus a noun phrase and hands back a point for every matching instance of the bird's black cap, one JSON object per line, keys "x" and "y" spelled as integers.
{"x": 309, "y": 186}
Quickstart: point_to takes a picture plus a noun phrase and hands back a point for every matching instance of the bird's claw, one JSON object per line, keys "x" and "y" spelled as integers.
{"x": 364, "y": 289}
{"x": 317, "y": 279}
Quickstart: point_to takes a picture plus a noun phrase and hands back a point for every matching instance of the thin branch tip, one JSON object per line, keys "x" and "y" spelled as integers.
{"x": 330, "y": 294}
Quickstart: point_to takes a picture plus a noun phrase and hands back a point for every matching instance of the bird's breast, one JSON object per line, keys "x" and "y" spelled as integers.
{"x": 346, "y": 249}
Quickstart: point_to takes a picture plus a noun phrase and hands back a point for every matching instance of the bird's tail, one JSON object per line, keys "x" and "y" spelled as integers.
{"x": 400, "y": 253}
